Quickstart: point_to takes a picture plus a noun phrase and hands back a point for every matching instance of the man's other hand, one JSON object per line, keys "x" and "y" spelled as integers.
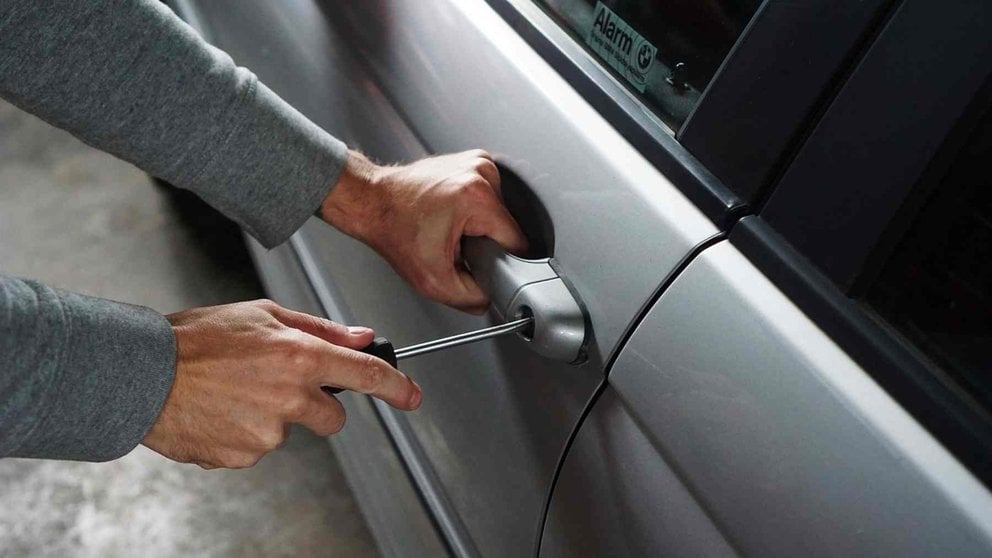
{"x": 246, "y": 371}
{"x": 415, "y": 216}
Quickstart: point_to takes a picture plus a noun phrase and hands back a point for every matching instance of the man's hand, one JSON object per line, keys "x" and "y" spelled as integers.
{"x": 247, "y": 371}
{"x": 415, "y": 216}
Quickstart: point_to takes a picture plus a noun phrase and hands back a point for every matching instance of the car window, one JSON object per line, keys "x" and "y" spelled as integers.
{"x": 937, "y": 286}
{"x": 664, "y": 51}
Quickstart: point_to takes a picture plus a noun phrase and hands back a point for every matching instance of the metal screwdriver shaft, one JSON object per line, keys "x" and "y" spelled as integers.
{"x": 463, "y": 338}
{"x": 382, "y": 348}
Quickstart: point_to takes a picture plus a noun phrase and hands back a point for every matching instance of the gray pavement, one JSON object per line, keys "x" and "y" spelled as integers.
{"x": 82, "y": 220}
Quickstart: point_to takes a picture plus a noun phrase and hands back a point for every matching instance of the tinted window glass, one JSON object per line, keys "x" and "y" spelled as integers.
{"x": 665, "y": 51}
{"x": 937, "y": 287}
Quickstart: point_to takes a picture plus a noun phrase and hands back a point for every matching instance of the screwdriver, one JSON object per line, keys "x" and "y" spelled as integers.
{"x": 383, "y": 348}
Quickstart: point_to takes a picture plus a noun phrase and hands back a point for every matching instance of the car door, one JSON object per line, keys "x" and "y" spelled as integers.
{"x": 485, "y": 445}
{"x": 817, "y": 384}
{"x": 621, "y": 177}
{"x": 414, "y": 78}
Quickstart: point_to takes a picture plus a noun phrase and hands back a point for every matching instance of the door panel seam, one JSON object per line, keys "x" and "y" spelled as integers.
{"x": 628, "y": 333}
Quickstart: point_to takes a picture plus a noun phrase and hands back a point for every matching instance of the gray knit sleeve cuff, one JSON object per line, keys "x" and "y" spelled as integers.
{"x": 86, "y": 378}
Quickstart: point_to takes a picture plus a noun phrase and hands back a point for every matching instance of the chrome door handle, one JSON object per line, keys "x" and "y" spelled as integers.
{"x": 520, "y": 288}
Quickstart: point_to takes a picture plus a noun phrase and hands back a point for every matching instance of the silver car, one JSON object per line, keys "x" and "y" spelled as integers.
{"x": 761, "y": 276}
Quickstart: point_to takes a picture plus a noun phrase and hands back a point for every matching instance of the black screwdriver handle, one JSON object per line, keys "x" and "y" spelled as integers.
{"x": 382, "y": 348}
{"x": 379, "y": 348}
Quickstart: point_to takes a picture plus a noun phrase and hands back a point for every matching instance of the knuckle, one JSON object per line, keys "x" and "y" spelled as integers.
{"x": 272, "y": 439}
{"x": 294, "y": 406}
{"x": 301, "y": 359}
{"x": 327, "y": 325}
{"x": 298, "y": 352}
{"x": 484, "y": 165}
{"x": 479, "y": 186}
{"x": 472, "y": 185}
{"x": 423, "y": 280}
{"x": 335, "y": 424}
{"x": 430, "y": 287}
{"x": 265, "y": 304}
{"x": 285, "y": 340}
{"x": 371, "y": 375}
{"x": 338, "y": 425}
{"x": 333, "y": 328}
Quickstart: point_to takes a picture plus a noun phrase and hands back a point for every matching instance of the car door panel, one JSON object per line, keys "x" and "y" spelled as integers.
{"x": 723, "y": 370}
{"x": 618, "y": 496}
{"x": 496, "y": 416}
{"x": 789, "y": 447}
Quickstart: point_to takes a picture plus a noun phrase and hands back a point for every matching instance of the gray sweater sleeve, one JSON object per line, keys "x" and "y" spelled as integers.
{"x": 130, "y": 78}
{"x": 80, "y": 378}
{"x": 83, "y": 378}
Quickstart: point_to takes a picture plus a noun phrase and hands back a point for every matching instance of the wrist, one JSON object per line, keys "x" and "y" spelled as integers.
{"x": 349, "y": 205}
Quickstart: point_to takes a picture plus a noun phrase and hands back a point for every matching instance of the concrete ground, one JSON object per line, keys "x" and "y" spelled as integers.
{"x": 78, "y": 219}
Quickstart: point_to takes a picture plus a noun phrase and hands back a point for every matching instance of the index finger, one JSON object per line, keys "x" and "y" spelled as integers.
{"x": 494, "y": 220}
{"x": 332, "y": 332}
{"x": 356, "y": 371}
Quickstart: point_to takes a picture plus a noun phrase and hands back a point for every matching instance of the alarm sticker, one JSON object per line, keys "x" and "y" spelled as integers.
{"x": 620, "y": 46}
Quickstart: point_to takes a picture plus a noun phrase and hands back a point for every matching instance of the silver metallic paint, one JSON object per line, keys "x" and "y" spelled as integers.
{"x": 618, "y": 496}
{"x": 789, "y": 448}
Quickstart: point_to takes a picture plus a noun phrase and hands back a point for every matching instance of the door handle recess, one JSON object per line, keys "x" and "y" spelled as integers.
{"x": 520, "y": 288}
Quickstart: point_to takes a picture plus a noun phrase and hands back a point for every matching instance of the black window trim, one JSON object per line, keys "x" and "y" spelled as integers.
{"x": 778, "y": 239}
{"x": 626, "y": 113}
{"x": 682, "y": 161}
{"x": 764, "y": 97}
{"x": 835, "y": 192}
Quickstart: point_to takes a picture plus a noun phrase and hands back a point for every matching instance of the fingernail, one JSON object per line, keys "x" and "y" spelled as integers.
{"x": 358, "y": 330}
{"x": 417, "y": 396}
